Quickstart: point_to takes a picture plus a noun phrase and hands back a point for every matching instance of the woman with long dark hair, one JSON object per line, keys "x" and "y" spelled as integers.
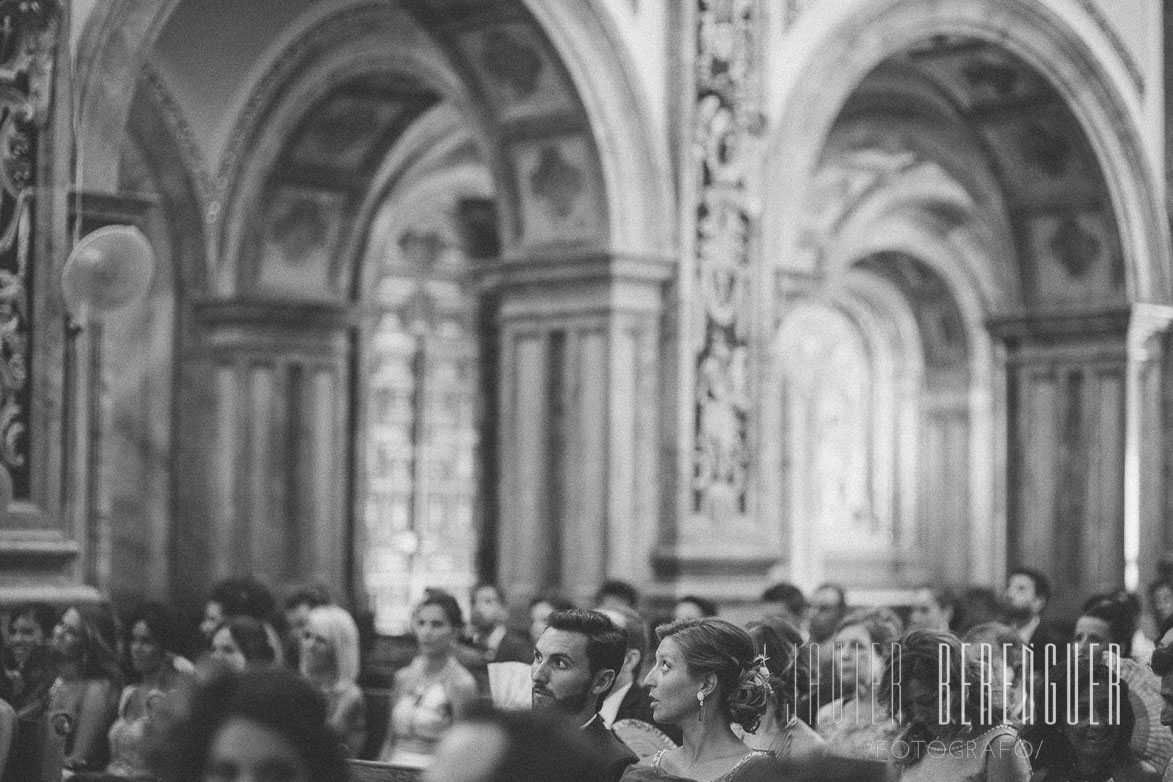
{"x": 706, "y": 678}
{"x": 157, "y": 669}
{"x": 88, "y": 682}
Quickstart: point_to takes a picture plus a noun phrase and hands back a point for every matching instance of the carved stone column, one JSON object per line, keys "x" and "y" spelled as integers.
{"x": 45, "y": 383}
{"x": 578, "y": 424}
{"x": 274, "y": 452}
{"x": 717, "y": 541}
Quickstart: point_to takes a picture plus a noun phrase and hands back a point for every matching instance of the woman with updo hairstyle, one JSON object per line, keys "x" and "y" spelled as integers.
{"x": 857, "y": 723}
{"x": 434, "y": 690}
{"x": 955, "y": 740}
{"x": 706, "y": 678}
{"x": 785, "y": 730}
{"x": 261, "y": 724}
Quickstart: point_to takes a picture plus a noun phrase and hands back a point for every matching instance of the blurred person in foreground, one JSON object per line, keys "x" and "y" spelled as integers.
{"x": 517, "y": 746}
{"x": 266, "y": 724}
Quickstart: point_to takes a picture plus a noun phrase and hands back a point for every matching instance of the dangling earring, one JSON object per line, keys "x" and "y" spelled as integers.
{"x": 700, "y": 715}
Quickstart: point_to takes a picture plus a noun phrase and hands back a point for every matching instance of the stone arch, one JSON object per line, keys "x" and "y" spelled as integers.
{"x": 1034, "y": 368}
{"x": 844, "y": 42}
{"x": 117, "y": 38}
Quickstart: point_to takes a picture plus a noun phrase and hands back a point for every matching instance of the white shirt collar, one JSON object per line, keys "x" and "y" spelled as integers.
{"x": 586, "y": 724}
{"x": 611, "y": 704}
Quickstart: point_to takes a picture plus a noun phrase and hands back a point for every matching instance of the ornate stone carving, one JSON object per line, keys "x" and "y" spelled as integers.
{"x": 28, "y": 37}
{"x": 511, "y": 63}
{"x": 557, "y": 181}
{"x": 1046, "y": 147}
{"x": 726, "y": 153}
{"x": 1075, "y": 247}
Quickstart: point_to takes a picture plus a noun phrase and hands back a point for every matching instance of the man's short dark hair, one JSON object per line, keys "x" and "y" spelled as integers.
{"x": 243, "y": 596}
{"x": 787, "y": 594}
{"x": 606, "y": 641}
{"x": 1041, "y": 582}
{"x": 614, "y": 587}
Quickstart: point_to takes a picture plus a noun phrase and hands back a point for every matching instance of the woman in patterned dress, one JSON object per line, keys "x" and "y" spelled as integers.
{"x": 706, "y": 678}
{"x": 434, "y": 690}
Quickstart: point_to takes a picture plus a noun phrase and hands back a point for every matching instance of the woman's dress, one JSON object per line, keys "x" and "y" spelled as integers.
{"x": 854, "y": 729}
{"x": 347, "y": 715}
{"x": 424, "y": 708}
{"x": 128, "y": 734}
{"x": 756, "y": 766}
{"x": 997, "y": 754}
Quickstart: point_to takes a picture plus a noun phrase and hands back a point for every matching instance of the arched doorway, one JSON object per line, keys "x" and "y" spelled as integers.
{"x": 970, "y": 140}
{"x": 424, "y": 239}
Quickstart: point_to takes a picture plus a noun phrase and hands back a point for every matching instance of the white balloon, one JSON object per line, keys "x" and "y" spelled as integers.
{"x": 109, "y": 269}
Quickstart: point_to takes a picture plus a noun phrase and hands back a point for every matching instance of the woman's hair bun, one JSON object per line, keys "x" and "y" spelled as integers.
{"x": 748, "y": 700}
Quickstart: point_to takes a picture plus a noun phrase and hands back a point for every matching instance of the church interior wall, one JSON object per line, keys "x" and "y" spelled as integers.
{"x": 505, "y": 279}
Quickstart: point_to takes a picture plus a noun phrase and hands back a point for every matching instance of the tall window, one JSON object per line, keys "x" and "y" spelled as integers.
{"x": 421, "y": 428}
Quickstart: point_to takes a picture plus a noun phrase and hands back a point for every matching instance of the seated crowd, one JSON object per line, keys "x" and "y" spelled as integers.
{"x": 943, "y": 688}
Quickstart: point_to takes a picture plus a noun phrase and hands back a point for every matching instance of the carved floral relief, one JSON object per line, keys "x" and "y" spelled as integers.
{"x": 28, "y": 36}
{"x": 724, "y": 155}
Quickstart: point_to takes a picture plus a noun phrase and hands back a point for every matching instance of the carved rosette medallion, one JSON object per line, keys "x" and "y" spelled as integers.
{"x": 725, "y": 157}
{"x": 28, "y": 39}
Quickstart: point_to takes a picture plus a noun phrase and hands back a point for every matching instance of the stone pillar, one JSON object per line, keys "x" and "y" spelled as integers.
{"x": 1085, "y": 477}
{"x": 274, "y": 448}
{"x": 579, "y": 457}
{"x": 46, "y": 380}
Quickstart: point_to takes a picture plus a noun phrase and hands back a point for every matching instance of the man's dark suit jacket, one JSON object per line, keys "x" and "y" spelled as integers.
{"x": 637, "y": 705}
{"x": 1049, "y": 633}
{"x": 614, "y": 753}
{"x": 514, "y": 648}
